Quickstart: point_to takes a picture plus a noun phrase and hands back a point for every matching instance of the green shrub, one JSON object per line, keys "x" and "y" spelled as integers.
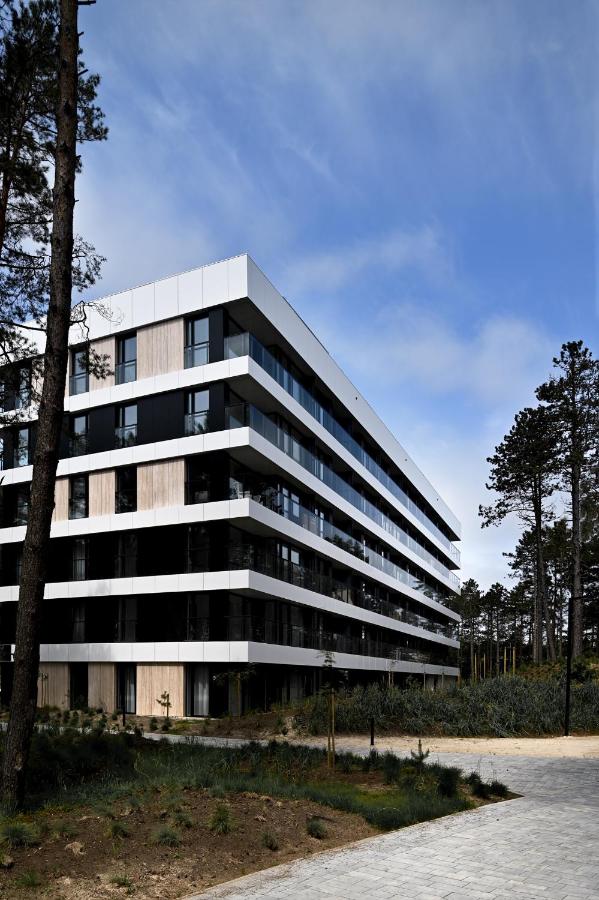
{"x": 498, "y": 789}
{"x": 121, "y": 881}
{"x": 481, "y": 789}
{"x": 118, "y": 829}
{"x": 498, "y": 707}
{"x": 270, "y": 841}
{"x": 316, "y": 828}
{"x": 28, "y": 880}
{"x": 167, "y": 836}
{"x": 153, "y": 724}
{"x": 221, "y": 821}
{"x": 183, "y": 819}
{"x": 64, "y": 829}
{"x": 449, "y": 781}
{"x": 18, "y": 834}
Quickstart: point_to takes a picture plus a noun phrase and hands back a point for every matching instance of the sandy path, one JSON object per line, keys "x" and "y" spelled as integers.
{"x": 551, "y": 747}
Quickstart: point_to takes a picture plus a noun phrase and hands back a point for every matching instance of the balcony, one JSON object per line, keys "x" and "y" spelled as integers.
{"x": 197, "y": 354}
{"x": 125, "y": 436}
{"x": 125, "y": 372}
{"x": 196, "y": 423}
{"x": 78, "y": 445}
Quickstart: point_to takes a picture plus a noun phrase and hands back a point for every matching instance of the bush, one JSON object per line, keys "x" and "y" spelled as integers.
{"x": 153, "y": 724}
{"x": 481, "y": 789}
{"x": 18, "y": 834}
{"x": 498, "y": 789}
{"x": 449, "y": 781}
{"x": 270, "y": 841}
{"x": 221, "y": 822}
{"x": 167, "y": 837}
{"x": 118, "y": 829}
{"x": 316, "y": 828}
{"x": 498, "y": 707}
{"x": 183, "y": 819}
{"x": 29, "y": 880}
{"x": 64, "y": 829}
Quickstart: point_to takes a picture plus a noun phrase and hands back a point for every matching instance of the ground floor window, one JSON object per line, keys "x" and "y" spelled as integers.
{"x": 127, "y": 687}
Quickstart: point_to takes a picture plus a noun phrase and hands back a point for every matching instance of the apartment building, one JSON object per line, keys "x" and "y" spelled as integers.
{"x": 230, "y": 514}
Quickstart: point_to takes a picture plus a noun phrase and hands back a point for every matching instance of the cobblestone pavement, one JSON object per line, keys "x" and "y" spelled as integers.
{"x": 542, "y": 845}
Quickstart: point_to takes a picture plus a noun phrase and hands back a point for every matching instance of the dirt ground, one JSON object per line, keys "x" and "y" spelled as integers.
{"x": 551, "y": 747}
{"x": 92, "y": 865}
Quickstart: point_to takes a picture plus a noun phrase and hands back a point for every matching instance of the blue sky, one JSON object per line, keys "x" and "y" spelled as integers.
{"x": 418, "y": 179}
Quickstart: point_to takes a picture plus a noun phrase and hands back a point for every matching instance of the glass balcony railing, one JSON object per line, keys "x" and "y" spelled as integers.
{"x": 196, "y": 423}
{"x": 78, "y": 444}
{"x": 125, "y": 436}
{"x": 245, "y": 414}
{"x": 302, "y": 516}
{"x": 246, "y": 344}
{"x": 79, "y": 383}
{"x": 197, "y": 354}
{"x": 125, "y": 372}
{"x": 246, "y": 556}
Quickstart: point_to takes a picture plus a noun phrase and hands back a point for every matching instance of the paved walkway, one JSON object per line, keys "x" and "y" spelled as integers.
{"x": 542, "y": 845}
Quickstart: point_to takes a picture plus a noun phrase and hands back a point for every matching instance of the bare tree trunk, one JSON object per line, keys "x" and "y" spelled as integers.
{"x": 541, "y": 604}
{"x": 576, "y": 564}
{"x": 37, "y": 536}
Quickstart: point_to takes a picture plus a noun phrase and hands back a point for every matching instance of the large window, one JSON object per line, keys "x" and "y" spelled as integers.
{"x": 79, "y": 381}
{"x": 126, "y": 489}
{"x": 125, "y": 433}
{"x": 22, "y": 447}
{"x": 197, "y": 405}
{"x": 126, "y": 687}
{"x": 78, "y": 497}
{"x": 196, "y": 342}
{"x": 197, "y": 481}
{"x": 22, "y": 503}
{"x": 78, "y": 443}
{"x": 80, "y": 559}
{"x": 126, "y": 359}
{"x": 126, "y": 556}
{"x": 127, "y": 619}
{"x": 23, "y": 388}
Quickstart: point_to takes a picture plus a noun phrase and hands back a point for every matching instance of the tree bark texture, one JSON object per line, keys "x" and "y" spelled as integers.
{"x": 576, "y": 563}
{"x": 37, "y": 536}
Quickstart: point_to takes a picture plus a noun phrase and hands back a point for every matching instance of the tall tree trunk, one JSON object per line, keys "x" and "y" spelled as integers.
{"x": 576, "y": 563}
{"x": 37, "y": 536}
{"x": 541, "y": 603}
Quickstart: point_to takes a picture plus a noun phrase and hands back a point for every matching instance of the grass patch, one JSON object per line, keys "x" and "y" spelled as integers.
{"x": 18, "y": 834}
{"x": 270, "y": 840}
{"x": 30, "y": 879}
{"x": 221, "y": 821}
{"x": 316, "y": 828}
{"x": 167, "y": 836}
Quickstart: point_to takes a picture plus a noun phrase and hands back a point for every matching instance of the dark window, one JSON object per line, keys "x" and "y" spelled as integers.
{"x": 197, "y": 405}
{"x": 22, "y": 447}
{"x": 79, "y": 381}
{"x": 78, "y": 685}
{"x": 23, "y": 388}
{"x": 126, "y": 425}
{"x": 1, "y": 453}
{"x": 198, "y": 617}
{"x": 78, "y": 497}
{"x": 126, "y": 489}
{"x": 197, "y": 481}
{"x": 78, "y": 442}
{"x": 22, "y": 501}
{"x": 126, "y": 556}
{"x": 126, "y": 359}
{"x": 80, "y": 559}
{"x": 198, "y": 548}
{"x": 126, "y": 687}
{"x": 196, "y": 342}
{"x": 78, "y": 631}
{"x": 127, "y": 619}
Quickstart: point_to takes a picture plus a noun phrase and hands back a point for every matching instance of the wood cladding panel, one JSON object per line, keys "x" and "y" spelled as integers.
{"x": 104, "y": 347}
{"x": 101, "y": 690}
{"x": 152, "y": 681}
{"x": 61, "y": 500}
{"x": 101, "y": 493}
{"x": 161, "y": 484}
{"x": 53, "y": 685}
{"x": 160, "y": 348}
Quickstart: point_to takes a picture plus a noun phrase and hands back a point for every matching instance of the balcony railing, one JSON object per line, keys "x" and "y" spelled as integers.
{"x": 197, "y": 354}
{"x": 246, "y": 556}
{"x": 79, "y": 383}
{"x": 125, "y": 372}
{"x": 197, "y": 423}
{"x": 125, "y": 436}
{"x": 245, "y": 414}
{"x": 78, "y": 444}
{"x": 246, "y": 344}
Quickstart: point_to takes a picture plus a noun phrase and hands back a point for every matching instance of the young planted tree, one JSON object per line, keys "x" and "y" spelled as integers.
{"x": 571, "y": 398}
{"x": 524, "y": 476}
{"x": 48, "y": 101}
